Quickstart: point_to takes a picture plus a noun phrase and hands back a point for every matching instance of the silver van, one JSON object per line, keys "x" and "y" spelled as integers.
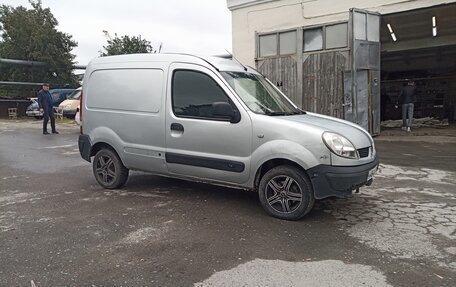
{"x": 214, "y": 120}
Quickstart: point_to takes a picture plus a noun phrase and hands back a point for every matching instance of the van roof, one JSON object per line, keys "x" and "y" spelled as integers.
{"x": 218, "y": 62}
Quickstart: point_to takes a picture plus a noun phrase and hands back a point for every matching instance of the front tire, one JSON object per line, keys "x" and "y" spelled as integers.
{"x": 109, "y": 170}
{"x": 286, "y": 192}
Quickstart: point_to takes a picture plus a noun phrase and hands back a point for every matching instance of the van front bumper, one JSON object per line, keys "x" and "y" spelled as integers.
{"x": 69, "y": 113}
{"x": 34, "y": 113}
{"x": 340, "y": 181}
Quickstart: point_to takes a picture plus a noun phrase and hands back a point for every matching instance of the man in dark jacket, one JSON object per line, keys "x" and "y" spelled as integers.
{"x": 407, "y": 98}
{"x": 45, "y": 103}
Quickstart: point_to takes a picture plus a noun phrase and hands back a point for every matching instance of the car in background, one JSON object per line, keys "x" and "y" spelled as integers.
{"x": 69, "y": 107}
{"x": 58, "y": 96}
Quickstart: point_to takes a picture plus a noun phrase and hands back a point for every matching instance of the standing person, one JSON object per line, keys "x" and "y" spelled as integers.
{"x": 407, "y": 98}
{"x": 46, "y": 107}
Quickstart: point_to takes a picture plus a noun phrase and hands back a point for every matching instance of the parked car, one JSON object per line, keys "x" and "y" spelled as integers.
{"x": 58, "y": 96}
{"x": 69, "y": 107}
{"x": 214, "y": 120}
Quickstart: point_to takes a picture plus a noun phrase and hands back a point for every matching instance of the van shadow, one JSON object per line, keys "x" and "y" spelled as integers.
{"x": 231, "y": 200}
{"x": 147, "y": 185}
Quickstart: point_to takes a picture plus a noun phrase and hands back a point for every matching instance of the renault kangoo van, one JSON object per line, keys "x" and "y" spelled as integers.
{"x": 214, "y": 120}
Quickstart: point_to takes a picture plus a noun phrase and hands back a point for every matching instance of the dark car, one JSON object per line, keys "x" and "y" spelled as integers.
{"x": 58, "y": 96}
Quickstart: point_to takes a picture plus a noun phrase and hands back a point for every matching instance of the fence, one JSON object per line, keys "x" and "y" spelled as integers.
{"x": 21, "y": 106}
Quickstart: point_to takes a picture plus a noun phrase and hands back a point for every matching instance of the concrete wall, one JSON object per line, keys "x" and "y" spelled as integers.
{"x": 251, "y": 16}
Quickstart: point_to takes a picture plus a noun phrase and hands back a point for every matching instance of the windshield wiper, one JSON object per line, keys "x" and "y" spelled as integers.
{"x": 285, "y": 113}
{"x": 280, "y": 114}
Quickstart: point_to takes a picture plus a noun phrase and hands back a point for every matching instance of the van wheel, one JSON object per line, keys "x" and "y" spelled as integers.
{"x": 286, "y": 192}
{"x": 109, "y": 170}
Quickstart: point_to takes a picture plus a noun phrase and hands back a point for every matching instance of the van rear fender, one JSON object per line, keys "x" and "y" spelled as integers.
{"x": 104, "y": 136}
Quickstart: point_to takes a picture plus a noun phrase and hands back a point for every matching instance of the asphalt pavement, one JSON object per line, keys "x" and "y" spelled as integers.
{"x": 58, "y": 227}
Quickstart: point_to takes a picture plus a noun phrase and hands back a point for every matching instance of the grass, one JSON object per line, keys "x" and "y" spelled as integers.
{"x": 65, "y": 121}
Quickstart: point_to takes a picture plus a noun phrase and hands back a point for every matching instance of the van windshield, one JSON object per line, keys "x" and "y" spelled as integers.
{"x": 259, "y": 95}
{"x": 75, "y": 95}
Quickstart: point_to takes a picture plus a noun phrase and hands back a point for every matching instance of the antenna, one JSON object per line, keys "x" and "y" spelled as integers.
{"x": 107, "y": 35}
{"x": 234, "y": 58}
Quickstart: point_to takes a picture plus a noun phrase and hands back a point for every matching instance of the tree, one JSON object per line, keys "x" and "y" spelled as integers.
{"x": 127, "y": 45}
{"x": 31, "y": 34}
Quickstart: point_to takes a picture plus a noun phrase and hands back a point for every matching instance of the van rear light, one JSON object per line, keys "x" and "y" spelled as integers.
{"x": 80, "y": 114}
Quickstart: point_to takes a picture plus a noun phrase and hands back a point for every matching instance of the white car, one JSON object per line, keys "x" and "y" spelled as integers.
{"x": 69, "y": 107}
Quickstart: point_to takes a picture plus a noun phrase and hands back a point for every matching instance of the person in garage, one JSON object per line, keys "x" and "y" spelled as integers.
{"x": 407, "y": 99}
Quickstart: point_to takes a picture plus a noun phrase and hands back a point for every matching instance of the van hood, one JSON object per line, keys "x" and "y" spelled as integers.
{"x": 357, "y": 135}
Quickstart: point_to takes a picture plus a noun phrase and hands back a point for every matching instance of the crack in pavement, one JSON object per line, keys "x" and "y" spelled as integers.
{"x": 413, "y": 222}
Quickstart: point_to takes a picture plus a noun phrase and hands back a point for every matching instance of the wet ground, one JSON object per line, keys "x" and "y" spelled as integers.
{"x": 59, "y": 228}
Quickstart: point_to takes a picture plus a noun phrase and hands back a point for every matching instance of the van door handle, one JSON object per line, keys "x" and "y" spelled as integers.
{"x": 177, "y": 127}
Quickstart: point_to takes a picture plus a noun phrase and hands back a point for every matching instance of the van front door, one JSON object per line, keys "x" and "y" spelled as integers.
{"x": 199, "y": 143}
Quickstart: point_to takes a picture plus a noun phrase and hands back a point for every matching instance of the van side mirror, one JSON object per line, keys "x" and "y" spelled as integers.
{"x": 225, "y": 110}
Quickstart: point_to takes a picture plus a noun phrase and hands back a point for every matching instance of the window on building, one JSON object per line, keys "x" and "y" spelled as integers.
{"x": 287, "y": 43}
{"x": 336, "y": 36}
{"x": 313, "y": 39}
{"x": 360, "y": 25}
{"x": 268, "y": 45}
{"x": 193, "y": 94}
{"x": 373, "y": 28}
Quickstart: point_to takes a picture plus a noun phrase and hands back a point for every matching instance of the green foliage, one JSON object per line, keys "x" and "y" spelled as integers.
{"x": 31, "y": 34}
{"x": 127, "y": 45}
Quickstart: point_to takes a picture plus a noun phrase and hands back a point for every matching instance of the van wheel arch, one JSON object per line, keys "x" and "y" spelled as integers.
{"x": 101, "y": 145}
{"x": 270, "y": 164}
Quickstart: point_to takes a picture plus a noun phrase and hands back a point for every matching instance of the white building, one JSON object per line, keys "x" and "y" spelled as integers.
{"x": 312, "y": 49}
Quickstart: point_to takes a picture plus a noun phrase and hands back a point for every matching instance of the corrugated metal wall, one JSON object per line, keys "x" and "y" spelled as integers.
{"x": 321, "y": 80}
{"x": 282, "y": 71}
{"x": 323, "y": 85}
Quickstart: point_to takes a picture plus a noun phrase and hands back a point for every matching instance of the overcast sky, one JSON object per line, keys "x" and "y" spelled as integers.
{"x": 193, "y": 26}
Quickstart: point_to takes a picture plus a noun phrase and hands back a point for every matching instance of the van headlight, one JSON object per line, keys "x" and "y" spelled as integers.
{"x": 340, "y": 145}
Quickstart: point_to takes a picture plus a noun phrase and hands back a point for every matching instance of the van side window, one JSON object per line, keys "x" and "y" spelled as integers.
{"x": 193, "y": 94}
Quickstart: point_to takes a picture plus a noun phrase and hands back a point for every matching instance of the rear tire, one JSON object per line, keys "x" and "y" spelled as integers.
{"x": 286, "y": 192}
{"x": 109, "y": 170}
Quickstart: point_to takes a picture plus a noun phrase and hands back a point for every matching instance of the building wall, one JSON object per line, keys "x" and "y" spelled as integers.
{"x": 251, "y": 16}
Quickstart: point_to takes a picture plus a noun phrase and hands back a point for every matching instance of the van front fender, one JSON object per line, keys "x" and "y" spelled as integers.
{"x": 284, "y": 149}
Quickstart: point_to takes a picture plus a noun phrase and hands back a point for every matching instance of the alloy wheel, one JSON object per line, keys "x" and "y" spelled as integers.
{"x": 283, "y": 194}
{"x": 105, "y": 169}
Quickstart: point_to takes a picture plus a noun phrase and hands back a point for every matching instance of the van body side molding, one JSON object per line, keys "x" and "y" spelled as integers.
{"x": 213, "y": 163}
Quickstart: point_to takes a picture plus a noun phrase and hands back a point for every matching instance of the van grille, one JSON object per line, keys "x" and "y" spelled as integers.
{"x": 364, "y": 152}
